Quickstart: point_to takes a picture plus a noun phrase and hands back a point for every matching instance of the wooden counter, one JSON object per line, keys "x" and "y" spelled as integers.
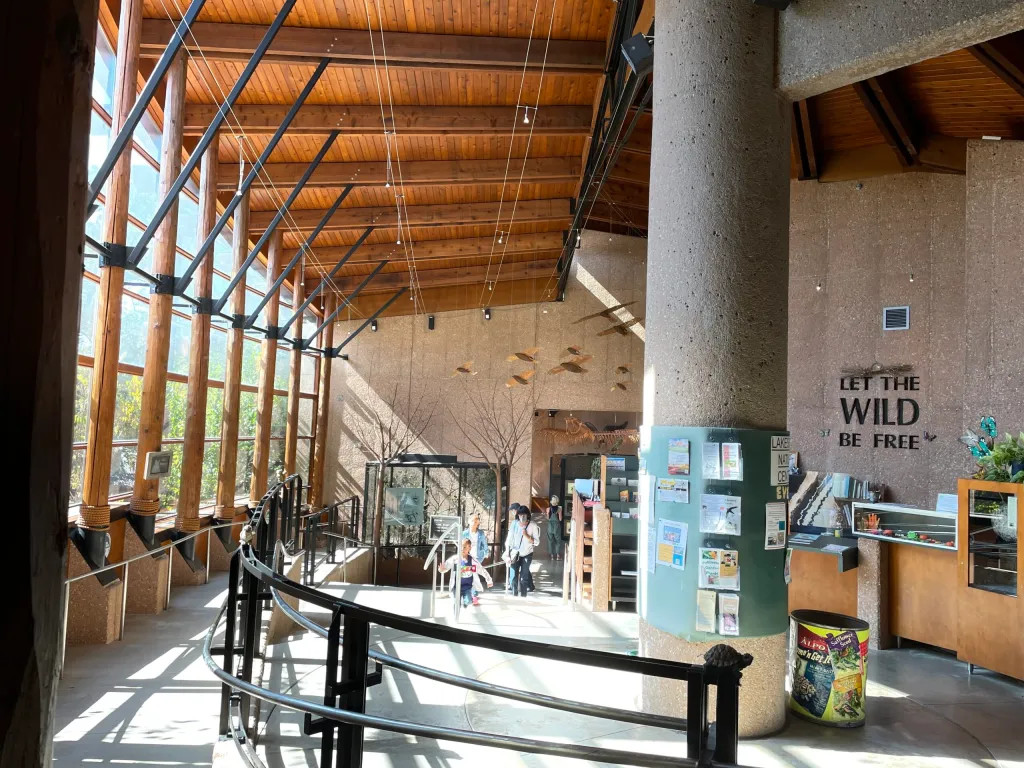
{"x": 922, "y": 594}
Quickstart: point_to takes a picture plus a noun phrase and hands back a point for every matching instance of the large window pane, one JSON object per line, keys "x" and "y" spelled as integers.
{"x": 282, "y": 366}
{"x": 127, "y": 408}
{"x": 103, "y": 74}
{"x": 250, "y": 362}
{"x": 188, "y": 223}
{"x": 253, "y": 299}
{"x": 171, "y": 485}
{"x": 303, "y": 457}
{"x": 175, "y": 405}
{"x": 279, "y": 416}
{"x": 77, "y": 475}
{"x": 211, "y": 469}
{"x": 218, "y": 353}
{"x": 134, "y": 327}
{"x": 214, "y": 411}
{"x": 87, "y": 318}
{"x": 144, "y": 191}
{"x": 276, "y": 465}
{"x": 222, "y": 258}
{"x": 247, "y": 414}
{"x": 83, "y": 388}
{"x": 181, "y": 340}
{"x": 309, "y": 374}
{"x": 243, "y": 467}
{"x": 122, "y": 470}
{"x": 306, "y": 409}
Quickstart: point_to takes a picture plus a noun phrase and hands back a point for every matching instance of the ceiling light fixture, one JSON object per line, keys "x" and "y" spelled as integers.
{"x": 818, "y": 286}
{"x": 487, "y": 313}
{"x": 373, "y": 325}
{"x": 911, "y": 277}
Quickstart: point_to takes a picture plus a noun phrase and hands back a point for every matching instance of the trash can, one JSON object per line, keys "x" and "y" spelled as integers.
{"x": 828, "y": 665}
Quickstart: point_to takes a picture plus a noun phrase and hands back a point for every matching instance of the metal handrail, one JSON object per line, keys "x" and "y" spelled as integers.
{"x": 529, "y": 697}
{"x": 348, "y": 717}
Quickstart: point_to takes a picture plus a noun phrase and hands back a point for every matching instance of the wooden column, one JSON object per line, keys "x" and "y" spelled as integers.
{"x": 233, "y": 371}
{"x": 146, "y": 494}
{"x": 48, "y": 55}
{"x": 199, "y": 355}
{"x": 95, "y": 512}
{"x": 323, "y": 400}
{"x": 268, "y": 367}
{"x": 291, "y": 434}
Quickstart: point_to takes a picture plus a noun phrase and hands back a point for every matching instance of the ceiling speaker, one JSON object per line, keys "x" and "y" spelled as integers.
{"x": 638, "y": 54}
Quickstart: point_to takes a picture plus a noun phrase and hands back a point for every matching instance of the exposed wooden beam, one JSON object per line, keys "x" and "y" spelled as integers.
{"x": 386, "y": 282}
{"x": 426, "y": 250}
{"x": 617, "y": 214}
{"x": 938, "y": 154}
{"x": 405, "y": 49}
{"x": 889, "y": 111}
{"x": 417, "y": 173}
{"x": 409, "y": 120}
{"x": 549, "y": 209}
{"x": 805, "y": 145}
{"x": 632, "y": 168}
{"x": 625, "y": 193}
{"x": 1004, "y": 56}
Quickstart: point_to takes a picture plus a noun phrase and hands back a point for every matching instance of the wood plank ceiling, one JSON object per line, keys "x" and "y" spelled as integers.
{"x": 916, "y": 119}
{"x": 485, "y": 196}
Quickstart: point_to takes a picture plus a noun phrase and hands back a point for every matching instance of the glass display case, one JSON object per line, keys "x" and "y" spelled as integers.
{"x": 904, "y": 524}
{"x": 992, "y": 545}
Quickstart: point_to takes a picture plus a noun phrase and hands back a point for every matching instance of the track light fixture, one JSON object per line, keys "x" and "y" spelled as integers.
{"x": 501, "y": 237}
{"x": 526, "y": 112}
{"x": 430, "y": 322}
{"x": 373, "y": 325}
{"x": 579, "y": 239}
{"x": 911, "y": 277}
{"x": 487, "y": 313}
{"x": 818, "y": 286}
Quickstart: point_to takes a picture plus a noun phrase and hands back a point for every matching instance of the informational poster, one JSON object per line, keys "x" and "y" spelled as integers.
{"x": 711, "y": 461}
{"x": 673, "y": 490}
{"x": 775, "y": 525}
{"x": 617, "y": 463}
{"x": 780, "y": 460}
{"x": 719, "y": 569}
{"x": 720, "y": 514}
{"x": 441, "y": 524}
{"x": 672, "y": 543}
{"x": 403, "y": 506}
{"x": 678, "y": 456}
{"x": 707, "y": 602}
{"x": 732, "y": 462}
{"x": 729, "y": 614}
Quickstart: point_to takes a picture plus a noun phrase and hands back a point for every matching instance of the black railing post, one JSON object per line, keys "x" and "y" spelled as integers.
{"x": 696, "y": 713}
{"x": 250, "y": 635}
{"x": 330, "y": 687}
{"x": 229, "y": 640}
{"x": 332, "y": 524}
{"x": 355, "y": 646}
{"x": 725, "y": 665}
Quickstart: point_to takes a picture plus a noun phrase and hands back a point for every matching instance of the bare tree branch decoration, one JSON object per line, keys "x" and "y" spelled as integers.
{"x": 496, "y": 425}
{"x": 390, "y": 430}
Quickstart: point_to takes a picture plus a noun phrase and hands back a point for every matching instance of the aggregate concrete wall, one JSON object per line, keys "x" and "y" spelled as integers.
{"x": 961, "y": 239}
{"x": 825, "y": 44}
{"x": 607, "y": 270}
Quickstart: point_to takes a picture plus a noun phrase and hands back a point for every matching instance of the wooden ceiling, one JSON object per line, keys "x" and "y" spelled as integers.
{"x": 485, "y": 197}
{"x": 916, "y": 119}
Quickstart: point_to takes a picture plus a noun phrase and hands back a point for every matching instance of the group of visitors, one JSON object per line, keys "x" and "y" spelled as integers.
{"x": 523, "y": 537}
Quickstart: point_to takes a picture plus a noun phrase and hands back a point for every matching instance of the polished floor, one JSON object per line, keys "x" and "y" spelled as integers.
{"x": 151, "y": 701}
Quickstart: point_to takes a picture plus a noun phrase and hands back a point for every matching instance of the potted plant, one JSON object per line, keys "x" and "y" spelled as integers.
{"x": 1004, "y": 462}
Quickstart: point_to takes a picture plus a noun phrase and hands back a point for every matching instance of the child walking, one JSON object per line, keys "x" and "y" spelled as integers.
{"x": 470, "y": 573}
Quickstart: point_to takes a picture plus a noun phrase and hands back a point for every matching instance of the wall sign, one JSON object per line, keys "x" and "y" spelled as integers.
{"x": 871, "y": 403}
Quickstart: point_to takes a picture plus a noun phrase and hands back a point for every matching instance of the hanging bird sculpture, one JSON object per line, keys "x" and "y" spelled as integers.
{"x": 607, "y": 314}
{"x": 520, "y": 379}
{"x": 620, "y": 385}
{"x": 573, "y": 366}
{"x": 575, "y": 351}
{"x": 623, "y": 369}
{"x": 527, "y": 355}
{"x": 466, "y": 369}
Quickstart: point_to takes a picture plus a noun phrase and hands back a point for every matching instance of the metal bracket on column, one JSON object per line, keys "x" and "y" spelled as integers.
{"x": 222, "y": 113}
{"x": 163, "y": 284}
{"x": 253, "y": 174}
{"x": 204, "y": 306}
{"x": 114, "y": 255}
{"x": 275, "y": 332}
{"x": 238, "y": 321}
{"x": 327, "y": 279}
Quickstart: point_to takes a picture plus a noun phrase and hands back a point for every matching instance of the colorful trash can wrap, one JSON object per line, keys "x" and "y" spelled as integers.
{"x": 828, "y": 667}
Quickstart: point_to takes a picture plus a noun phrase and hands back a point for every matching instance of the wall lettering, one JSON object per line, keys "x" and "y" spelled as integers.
{"x": 880, "y": 401}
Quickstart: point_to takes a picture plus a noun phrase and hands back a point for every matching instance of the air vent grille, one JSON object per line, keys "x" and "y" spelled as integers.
{"x": 896, "y": 318}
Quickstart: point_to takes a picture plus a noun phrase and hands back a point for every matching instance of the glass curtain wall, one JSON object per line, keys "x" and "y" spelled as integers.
{"x": 143, "y": 201}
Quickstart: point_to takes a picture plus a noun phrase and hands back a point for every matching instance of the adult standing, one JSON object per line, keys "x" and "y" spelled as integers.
{"x": 523, "y": 536}
{"x": 555, "y": 529}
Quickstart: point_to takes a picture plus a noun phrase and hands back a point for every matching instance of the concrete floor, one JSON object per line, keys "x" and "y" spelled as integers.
{"x": 150, "y": 700}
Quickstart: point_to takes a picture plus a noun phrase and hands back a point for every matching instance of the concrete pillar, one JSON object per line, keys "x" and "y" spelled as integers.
{"x": 717, "y": 274}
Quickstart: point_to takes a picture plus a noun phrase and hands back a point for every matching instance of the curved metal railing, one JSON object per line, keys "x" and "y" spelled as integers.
{"x": 341, "y": 718}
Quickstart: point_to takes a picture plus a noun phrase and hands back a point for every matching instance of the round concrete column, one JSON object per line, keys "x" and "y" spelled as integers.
{"x": 717, "y": 270}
